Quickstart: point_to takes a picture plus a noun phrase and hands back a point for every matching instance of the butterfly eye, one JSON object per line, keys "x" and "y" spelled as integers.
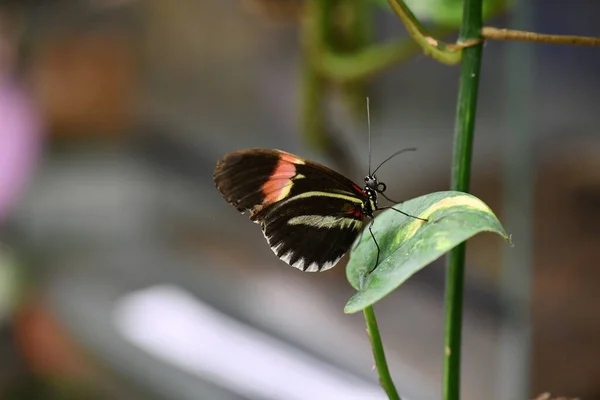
{"x": 381, "y": 187}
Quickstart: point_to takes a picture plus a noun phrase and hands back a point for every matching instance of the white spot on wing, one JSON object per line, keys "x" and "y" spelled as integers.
{"x": 300, "y": 264}
{"x": 277, "y": 248}
{"x": 331, "y": 264}
{"x": 312, "y": 268}
{"x": 287, "y": 258}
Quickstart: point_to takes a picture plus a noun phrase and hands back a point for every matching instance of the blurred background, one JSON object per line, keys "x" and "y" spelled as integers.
{"x": 124, "y": 274}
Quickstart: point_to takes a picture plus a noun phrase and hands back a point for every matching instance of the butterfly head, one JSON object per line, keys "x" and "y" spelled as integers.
{"x": 372, "y": 185}
{"x": 372, "y": 188}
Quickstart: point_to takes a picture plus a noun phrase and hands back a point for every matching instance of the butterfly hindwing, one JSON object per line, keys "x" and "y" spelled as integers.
{"x": 312, "y": 233}
{"x": 309, "y": 214}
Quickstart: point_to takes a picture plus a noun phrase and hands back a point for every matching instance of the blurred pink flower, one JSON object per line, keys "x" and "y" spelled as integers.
{"x": 20, "y": 137}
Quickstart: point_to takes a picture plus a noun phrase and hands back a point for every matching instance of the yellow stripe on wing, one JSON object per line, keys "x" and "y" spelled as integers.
{"x": 326, "y": 221}
{"x": 348, "y": 197}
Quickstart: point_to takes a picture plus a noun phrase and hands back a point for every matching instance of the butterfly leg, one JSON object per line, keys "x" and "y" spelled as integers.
{"x": 376, "y": 245}
{"x": 402, "y": 212}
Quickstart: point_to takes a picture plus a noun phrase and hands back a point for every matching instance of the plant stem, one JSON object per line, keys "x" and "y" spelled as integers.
{"x": 311, "y": 110}
{"x": 445, "y": 53}
{"x": 314, "y": 32}
{"x": 368, "y": 62}
{"x": 492, "y": 33}
{"x": 461, "y": 174}
{"x": 385, "y": 379}
{"x": 355, "y": 35}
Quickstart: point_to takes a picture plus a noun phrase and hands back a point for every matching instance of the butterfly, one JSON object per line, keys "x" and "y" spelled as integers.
{"x": 309, "y": 213}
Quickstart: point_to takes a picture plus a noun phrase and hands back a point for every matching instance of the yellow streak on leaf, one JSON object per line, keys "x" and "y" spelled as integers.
{"x": 448, "y": 202}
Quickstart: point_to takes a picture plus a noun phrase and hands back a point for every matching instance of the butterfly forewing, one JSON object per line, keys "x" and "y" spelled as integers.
{"x": 309, "y": 214}
{"x": 239, "y": 177}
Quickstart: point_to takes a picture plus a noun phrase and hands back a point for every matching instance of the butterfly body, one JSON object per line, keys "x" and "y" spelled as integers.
{"x": 309, "y": 214}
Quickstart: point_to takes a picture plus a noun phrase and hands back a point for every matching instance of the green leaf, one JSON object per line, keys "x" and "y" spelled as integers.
{"x": 408, "y": 245}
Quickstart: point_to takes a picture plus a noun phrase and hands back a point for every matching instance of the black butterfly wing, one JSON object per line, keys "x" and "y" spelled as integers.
{"x": 311, "y": 233}
{"x": 309, "y": 214}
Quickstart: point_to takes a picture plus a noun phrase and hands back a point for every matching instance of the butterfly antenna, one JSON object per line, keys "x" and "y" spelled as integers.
{"x": 388, "y": 199}
{"x": 369, "y": 129}
{"x": 392, "y": 156}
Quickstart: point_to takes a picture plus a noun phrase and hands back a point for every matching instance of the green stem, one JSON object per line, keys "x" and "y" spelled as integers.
{"x": 364, "y": 60}
{"x": 356, "y": 35}
{"x": 385, "y": 379}
{"x": 312, "y": 115}
{"x": 315, "y": 30}
{"x": 368, "y": 62}
{"x": 461, "y": 174}
{"x": 445, "y": 53}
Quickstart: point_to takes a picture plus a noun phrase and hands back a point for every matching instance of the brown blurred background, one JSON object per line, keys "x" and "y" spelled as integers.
{"x": 122, "y": 109}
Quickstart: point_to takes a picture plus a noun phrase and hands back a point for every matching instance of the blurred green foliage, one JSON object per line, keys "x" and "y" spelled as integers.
{"x": 447, "y": 13}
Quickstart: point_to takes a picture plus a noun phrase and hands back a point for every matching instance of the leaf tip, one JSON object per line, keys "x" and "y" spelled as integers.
{"x": 350, "y": 307}
{"x": 349, "y": 310}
